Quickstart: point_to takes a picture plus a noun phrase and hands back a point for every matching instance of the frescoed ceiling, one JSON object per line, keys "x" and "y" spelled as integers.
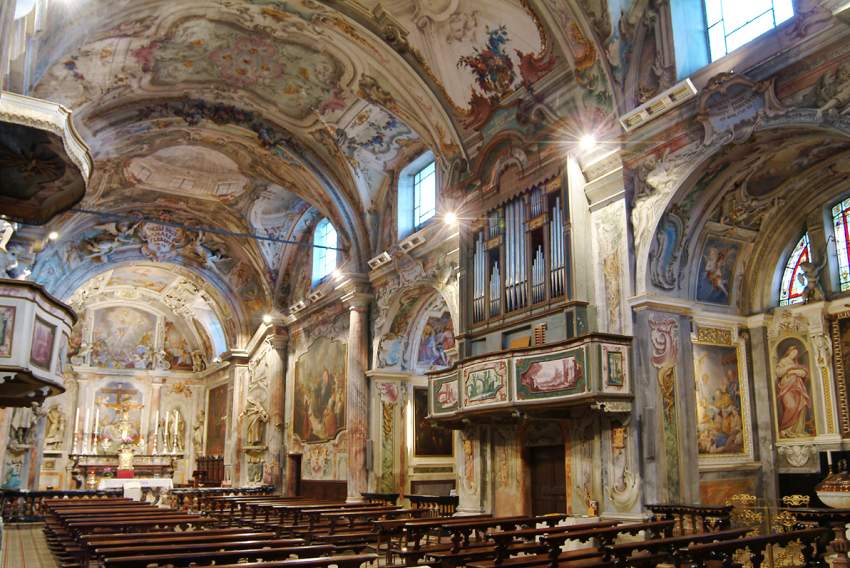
{"x": 263, "y": 116}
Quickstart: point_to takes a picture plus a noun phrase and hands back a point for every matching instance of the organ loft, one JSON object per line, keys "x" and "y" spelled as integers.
{"x": 366, "y": 283}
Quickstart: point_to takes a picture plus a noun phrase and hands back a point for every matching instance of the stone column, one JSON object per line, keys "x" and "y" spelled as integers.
{"x": 275, "y": 437}
{"x": 36, "y": 450}
{"x": 7, "y": 15}
{"x": 357, "y": 391}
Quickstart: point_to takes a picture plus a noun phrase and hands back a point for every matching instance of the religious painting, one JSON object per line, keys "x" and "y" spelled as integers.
{"x": 792, "y": 389}
{"x": 436, "y": 339}
{"x": 320, "y": 381}
{"x": 429, "y": 440}
{"x": 178, "y": 352}
{"x": 445, "y": 394}
{"x": 217, "y": 411}
{"x": 720, "y": 491}
{"x": 118, "y": 415}
{"x": 7, "y": 330}
{"x": 43, "y": 335}
{"x": 485, "y": 383}
{"x": 720, "y": 422}
{"x": 551, "y": 375}
{"x": 123, "y": 338}
{"x": 717, "y": 271}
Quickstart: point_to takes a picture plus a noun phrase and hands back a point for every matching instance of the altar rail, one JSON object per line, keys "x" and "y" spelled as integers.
{"x": 694, "y": 518}
{"x": 388, "y": 499}
{"x": 27, "y": 506}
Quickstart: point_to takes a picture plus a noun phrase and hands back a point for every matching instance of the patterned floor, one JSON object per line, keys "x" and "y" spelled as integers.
{"x": 24, "y": 546}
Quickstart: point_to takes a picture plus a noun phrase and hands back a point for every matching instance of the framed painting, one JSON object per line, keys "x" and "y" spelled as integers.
{"x": 43, "y": 336}
{"x": 429, "y": 440}
{"x": 720, "y": 399}
{"x": 7, "y": 330}
{"x": 485, "y": 383}
{"x": 716, "y": 274}
{"x": 445, "y": 394}
{"x": 217, "y": 411}
{"x": 792, "y": 390}
{"x": 840, "y": 331}
{"x": 550, "y": 376}
{"x": 320, "y": 381}
{"x": 615, "y": 368}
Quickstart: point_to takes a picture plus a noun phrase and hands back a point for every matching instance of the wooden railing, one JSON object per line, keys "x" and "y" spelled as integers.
{"x": 382, "y": 498}
{"x": 27, "y": 506}
{"x": 194, "y": 498}
{"x": 692, "y": 519}
{"x": 437, "y": 505}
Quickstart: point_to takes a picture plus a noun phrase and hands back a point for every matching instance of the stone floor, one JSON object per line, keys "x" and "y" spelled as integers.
{"x": 24, "y": 546}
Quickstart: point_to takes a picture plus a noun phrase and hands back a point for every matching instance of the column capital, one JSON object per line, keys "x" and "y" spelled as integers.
{"x": 279, "y": 339}
{"x": 355, "y": 290}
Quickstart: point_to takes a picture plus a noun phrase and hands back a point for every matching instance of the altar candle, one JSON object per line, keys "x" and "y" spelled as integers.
{"x": 76, "y": 430}
{"x": 165, "y": 428}
{"x": 96, "y": 422}
{"x": 156, "y": 425}
{"x": 86, "y": 430}
{"x": 176, "y": 419}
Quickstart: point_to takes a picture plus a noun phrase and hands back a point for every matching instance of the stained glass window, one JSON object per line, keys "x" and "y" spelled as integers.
{"x": 324, "y": 255}
{"x": 840, "y": 214}
{"x": 732, "y": 23}
{"x": 793, "y": 280}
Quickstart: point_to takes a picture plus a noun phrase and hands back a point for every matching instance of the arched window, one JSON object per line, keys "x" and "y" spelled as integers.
{"x": 841, "y": 225}
{"x": 324, "y": 253}
{"x": 793, "y": 280}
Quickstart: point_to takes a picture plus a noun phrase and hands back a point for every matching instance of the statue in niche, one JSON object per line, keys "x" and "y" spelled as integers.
{"x": 21, "y": 428}
{"x": 55, "y": 432}
{"x": 199, "y": 362}
{"x": 198, "y": 433}
{"x": 256, "y": 423}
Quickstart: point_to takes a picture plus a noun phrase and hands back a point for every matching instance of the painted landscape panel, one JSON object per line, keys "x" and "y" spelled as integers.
{"x": 485, "y": 383}
{"x": 555, "y": 374}
{"x": 446, "y": 397}
{"x": 320, "y": 380}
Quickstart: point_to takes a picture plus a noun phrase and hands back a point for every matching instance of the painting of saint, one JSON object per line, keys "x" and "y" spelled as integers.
{"x": 437, "y": 338}
{"x": 720, "y": 425}
{"x": 429, "y": 440}
{"x": 217, "y": 420}
{"x": 123, "y": 338}
{"x": 41, "y": 351}
{"x": 717, "y": 271}
{"x": 7, "y": 330}
{"x": 793, "y": 390}
{"x": 320, "y": 379}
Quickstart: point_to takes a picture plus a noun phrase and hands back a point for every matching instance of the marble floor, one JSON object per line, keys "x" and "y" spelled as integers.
{"x": 24, "y": 546}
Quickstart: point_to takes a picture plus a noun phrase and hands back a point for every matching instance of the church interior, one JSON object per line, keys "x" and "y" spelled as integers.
{"x": 361, "y": 283}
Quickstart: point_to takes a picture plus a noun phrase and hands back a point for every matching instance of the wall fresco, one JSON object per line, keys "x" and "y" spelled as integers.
{"x": 123, "y": 338}
{"x": 319, "y": 395}
{"x": 793, "y": 390}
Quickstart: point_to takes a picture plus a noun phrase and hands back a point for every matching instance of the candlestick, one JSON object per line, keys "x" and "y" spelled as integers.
{"x": 76, "y": 432}
{"x": 155, "y": 432}
{"x": 96, "y": 428}
{"x": 86, "y": 431}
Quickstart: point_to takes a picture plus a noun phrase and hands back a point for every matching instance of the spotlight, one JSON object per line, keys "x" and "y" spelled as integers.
{"x": 267, "y": 319}
{"x": 450, "y": 218}
{"x": 336, "y": 274}
{"x": 52, "y": 235}
{"x": 587, "y": 142}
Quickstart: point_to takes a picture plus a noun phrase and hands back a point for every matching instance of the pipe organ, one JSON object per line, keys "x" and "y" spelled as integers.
{"x": 519, "y": 255}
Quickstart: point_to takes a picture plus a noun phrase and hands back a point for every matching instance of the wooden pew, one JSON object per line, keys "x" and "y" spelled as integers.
{"x": 192, "y": 545}
{"x": 814, "y": 540}
{"x": 343, "y": 561}
{"x": 184, "y": 559}
{"x": 654, "y": 551}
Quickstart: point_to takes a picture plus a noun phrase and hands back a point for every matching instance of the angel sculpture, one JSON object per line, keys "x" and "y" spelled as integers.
{"x": 809, "y": 277}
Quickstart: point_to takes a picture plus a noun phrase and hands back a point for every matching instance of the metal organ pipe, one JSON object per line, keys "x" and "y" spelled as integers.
{"x": 556, "y": 243}
{"x": 479, "y": 269}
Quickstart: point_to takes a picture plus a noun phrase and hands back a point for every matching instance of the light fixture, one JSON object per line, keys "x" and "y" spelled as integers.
{"x": 587, "y": 142}
{"x": 52, "y": 235}
{"x": 267, "y": 319}
{"x": 336, "y": 274}
{"x": 450, "y": 218}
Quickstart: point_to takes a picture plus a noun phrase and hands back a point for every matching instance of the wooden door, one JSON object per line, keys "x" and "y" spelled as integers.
{"x": 548, "y": 480}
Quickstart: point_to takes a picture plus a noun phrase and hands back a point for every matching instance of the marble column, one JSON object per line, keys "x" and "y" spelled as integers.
{"x": 7, "y": 15}
{"x": 275, "y": 436}
{"x": 357, "y": 392}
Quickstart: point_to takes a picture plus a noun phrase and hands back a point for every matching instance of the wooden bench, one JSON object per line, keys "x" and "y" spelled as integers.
{"x": 345, "y": 561}
{"x": 217, "y": 557}
{"x": 814, "y": 542}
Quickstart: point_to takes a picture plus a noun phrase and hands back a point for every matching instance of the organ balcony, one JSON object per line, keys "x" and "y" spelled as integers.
{"x": 591, "y": 371}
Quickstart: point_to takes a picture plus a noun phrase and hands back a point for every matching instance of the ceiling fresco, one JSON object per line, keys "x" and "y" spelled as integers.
{"x": 264, "y": 116}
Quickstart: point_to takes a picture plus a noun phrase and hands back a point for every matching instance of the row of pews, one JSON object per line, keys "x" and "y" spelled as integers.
{"x": 265, "y": 530}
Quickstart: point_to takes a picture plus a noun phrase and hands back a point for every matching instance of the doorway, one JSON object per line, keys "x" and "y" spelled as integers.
{"x": 548, "y": 480}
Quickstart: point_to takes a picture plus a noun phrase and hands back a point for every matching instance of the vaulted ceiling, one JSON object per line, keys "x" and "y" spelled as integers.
{"x": 263, "y": 116}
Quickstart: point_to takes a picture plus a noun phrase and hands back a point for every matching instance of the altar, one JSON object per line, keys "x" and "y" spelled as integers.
{"x": 91, "y": 470}
{"x": 161, "y": 483}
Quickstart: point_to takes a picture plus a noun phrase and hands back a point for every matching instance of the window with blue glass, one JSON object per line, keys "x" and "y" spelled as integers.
{"x": 793, "y": 278}
{"x": 324, "y": 250}
{"x": 732, "y": 23}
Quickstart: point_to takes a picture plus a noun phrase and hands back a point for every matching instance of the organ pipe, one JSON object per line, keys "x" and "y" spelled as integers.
{"x": 479, "y": 271}
{"x": 556, "y": 243}
{"x": 538, "y": 277}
